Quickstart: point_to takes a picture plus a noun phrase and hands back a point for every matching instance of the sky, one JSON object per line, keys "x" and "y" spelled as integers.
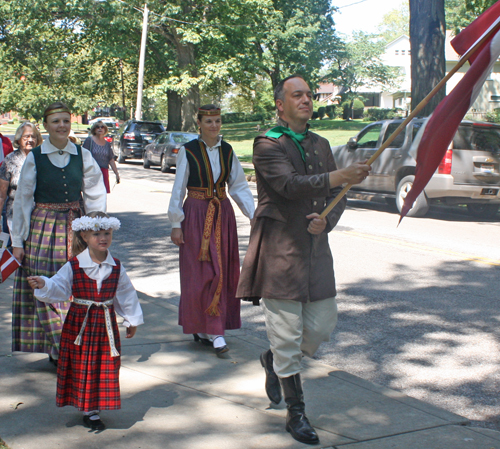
{"x": 364, "y": 15}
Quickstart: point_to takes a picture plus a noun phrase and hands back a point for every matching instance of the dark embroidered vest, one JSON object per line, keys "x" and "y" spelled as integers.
{"x": 200, "y": 171}
{"x": 86, "y": 288}
{"x": 58, "y": 185}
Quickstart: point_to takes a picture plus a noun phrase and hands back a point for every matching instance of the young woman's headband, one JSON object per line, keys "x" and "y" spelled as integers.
{"x": 209, "y": 111}
{"x": 55, "y": 111}
{"x": 86, "y": 223}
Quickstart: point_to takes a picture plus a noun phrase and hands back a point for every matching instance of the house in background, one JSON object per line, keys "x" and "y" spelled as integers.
{"x": 398, "y": 54}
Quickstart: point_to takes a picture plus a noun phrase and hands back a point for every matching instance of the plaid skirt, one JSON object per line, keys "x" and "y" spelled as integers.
{"x": 37, "y": 326}
{"x": 87, "y": 375}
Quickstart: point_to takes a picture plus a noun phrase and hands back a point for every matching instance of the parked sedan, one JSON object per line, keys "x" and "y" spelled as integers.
{"x": 163, "y": 151}
{"x": 469, "y": 173}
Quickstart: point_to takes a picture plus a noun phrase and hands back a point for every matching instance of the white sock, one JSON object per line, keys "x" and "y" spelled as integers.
{"x": 218, "y": 340}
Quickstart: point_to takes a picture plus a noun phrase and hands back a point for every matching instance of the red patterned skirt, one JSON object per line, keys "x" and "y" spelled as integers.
{"x": 200, "y": 280}
{"x": 87, "y": 375}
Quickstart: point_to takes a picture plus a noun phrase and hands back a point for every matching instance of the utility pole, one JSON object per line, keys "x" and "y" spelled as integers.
{"x": 123, "y": 92}
{"x": 140, "y": 83}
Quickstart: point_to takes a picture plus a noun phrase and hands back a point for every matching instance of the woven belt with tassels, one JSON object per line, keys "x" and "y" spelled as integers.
{"x": 73, "y": 210}
{"x": 107, "y": 316}
{"x": 204, "y": 255}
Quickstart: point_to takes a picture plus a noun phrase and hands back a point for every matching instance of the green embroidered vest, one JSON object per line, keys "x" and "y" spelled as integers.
{"x": 58, "y": 185}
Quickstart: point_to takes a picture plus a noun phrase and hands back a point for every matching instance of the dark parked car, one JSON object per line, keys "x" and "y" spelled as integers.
{"x": 468, "y": 174}
{"x": 163, "y": 151}
{"x": 132, "y": 138}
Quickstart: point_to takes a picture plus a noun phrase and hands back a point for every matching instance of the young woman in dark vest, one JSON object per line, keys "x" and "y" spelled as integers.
{"x": 204, "y": 228}
{"x": 54, "y": 177}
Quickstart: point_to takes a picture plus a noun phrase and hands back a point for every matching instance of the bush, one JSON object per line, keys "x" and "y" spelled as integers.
{"x": 375, "y": 114}
{"x": 357, "y": 109}
{"x": 332, "y": 111}
{"x": 240, "y": 117}
{"x": 492, "y": 117}
{"x": 321, "y": 112}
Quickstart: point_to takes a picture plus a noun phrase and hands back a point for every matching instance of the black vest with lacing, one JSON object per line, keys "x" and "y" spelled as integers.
{"x": 200, "y": 170}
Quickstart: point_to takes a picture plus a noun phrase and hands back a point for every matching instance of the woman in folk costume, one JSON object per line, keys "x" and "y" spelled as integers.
{"x": 89, "y": 364}
{"x": 54, "y": 177}
{"x": 204, "y": 228}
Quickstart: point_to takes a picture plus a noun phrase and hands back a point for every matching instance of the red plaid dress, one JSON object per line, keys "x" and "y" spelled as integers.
{"x": 87, "y": 375}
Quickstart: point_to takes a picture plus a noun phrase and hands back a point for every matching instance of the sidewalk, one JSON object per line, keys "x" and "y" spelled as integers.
{"x": 177, "y": 394}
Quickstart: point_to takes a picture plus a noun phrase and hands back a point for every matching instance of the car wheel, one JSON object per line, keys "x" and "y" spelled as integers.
{"x": 165, "y": 168}
{"x": 145, "y": 161}
{"x": 420, "y": 206}
{"x": 482, "y": 210}
{"x": 121, "y": 157}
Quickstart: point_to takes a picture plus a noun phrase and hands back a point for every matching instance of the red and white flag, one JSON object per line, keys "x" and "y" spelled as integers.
{"x": 8, "y": 264}
{"x": 443, "y": 123}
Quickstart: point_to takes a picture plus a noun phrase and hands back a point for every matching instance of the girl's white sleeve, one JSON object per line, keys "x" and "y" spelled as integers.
{"x": 23, "y": 202}
{"x": 175, "y": 211}
{"x": 58, "y": 288}
{"x": 239, "y": 190}
{"x": 126, "y": 302}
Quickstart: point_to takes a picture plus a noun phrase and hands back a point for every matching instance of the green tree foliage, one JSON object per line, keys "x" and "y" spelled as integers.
{"x": 460, "y": 13}
{"x": 395, "y": 23}
{"x": 359, "y": 63}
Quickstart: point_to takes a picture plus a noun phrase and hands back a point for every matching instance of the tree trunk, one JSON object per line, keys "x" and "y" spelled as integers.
{"x": 174, "y": 111}
{"x": 427, "y": 38}
{"x": 191, "y": 101}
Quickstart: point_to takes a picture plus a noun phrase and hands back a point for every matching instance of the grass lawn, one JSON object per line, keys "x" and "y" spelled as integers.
{"x": 241, "y": 135}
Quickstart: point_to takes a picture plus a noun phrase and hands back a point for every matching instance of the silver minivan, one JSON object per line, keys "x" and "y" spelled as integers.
{"x": 468, "y": 174}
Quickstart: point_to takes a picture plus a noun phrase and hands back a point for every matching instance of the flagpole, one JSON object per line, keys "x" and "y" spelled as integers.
{"x": 414, "y": 113}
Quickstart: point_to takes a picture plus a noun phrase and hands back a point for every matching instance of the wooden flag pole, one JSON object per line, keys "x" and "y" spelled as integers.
{"x": 414, "y": 113}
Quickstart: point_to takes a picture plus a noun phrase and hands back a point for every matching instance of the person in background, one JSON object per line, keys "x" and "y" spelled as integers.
{"x": 54, "y": 177}
{"x": 5, "y": 149}
{"x": 204, "y": 228}
{"x": 26, "y": 138}
{"x": 102, "y": 151}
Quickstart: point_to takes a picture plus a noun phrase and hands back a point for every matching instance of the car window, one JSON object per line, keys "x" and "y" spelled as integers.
{"x": 484, "y": 138}
{"x": 148, "y": 128}
{"x": 368, "y": 138}
{"x": 399, "y": 140}
{"x": 183, "y": 138}
{"x": 415, "y": 129}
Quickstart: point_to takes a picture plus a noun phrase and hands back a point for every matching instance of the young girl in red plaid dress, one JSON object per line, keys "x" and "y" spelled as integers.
{"x": 89, "y": 362}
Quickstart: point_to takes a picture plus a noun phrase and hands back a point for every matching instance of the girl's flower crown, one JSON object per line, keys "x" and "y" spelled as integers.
{"x": 86, "y": 223}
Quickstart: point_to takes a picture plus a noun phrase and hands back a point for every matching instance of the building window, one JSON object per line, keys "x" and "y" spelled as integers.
{"x": 409, "y": 52}
{"x": 402, "y": 52}
{"x": 495, "y": 98}
{"x": 397, "y": 52}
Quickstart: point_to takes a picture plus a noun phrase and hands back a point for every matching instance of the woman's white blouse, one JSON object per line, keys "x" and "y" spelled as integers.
{"x": 237, "y": 184}
{"x": 58, "y": 288}
{"x": 93, "y": 189}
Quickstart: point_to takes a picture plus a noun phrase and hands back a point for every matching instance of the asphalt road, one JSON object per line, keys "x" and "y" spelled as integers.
{"x": 418, "y": 309}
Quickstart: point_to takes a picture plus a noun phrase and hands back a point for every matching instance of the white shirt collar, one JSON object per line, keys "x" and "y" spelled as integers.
{"x": 85, "y": 260}
{"x": 48, "y": 148}
{"x": 217, "y": 145}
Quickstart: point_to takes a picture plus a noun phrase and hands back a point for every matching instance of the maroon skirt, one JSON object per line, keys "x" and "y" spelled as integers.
{"x": 199, "y": 280}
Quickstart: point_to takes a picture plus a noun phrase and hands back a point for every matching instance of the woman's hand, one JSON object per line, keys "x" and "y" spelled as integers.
{"x": 131, "y": 331}
{"x": 18, "y": 253}
{"x": 177, "y": 236}
{"x": 36, "y": 282}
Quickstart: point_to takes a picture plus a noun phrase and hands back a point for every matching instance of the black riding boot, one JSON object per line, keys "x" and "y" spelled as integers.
{"x": 296, "y": 420}
{"x": 273, "y": 387}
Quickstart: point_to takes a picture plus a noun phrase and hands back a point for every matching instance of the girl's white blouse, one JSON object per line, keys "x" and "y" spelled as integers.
{"x": 93, "y": 189}
{"x": 237, "y": 184}
{"x": 58, "y": 288}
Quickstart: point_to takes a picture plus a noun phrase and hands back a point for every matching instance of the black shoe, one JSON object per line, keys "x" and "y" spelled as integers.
{"x": 93, "y": 424}
{"x": 221, "y": 349}
{"x": 273, "y": 387}
{"x": 296, "y": 420}
{"x": 53, "y": 361}
{"x": 205, "y": 341}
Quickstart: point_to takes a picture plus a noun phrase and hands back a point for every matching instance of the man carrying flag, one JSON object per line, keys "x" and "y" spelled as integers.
{"x": 435, "y": 137}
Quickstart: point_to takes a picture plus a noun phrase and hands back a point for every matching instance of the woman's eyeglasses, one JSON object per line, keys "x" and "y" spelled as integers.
{"x": 99, "y": 127}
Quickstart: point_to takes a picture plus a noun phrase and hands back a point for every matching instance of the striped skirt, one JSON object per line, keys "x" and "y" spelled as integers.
{"x": 199, "y": 280}
{"x": 37, "y": 326}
